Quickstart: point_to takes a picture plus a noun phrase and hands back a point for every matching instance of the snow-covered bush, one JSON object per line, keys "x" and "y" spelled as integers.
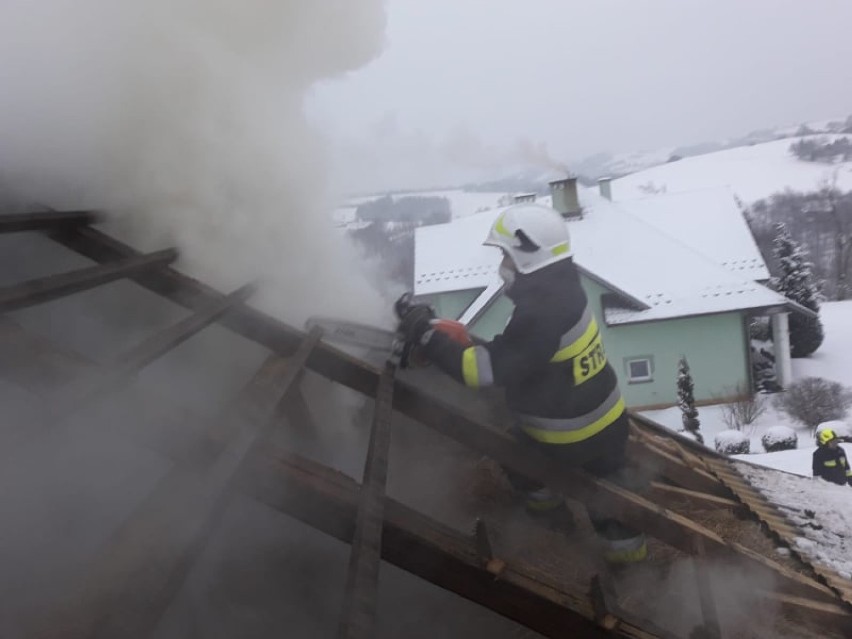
{"x": 732, "y": 442}
{"x": 814, "y": 400}
{"x": 779, "y": 438}
{"x": 686, "y": 400}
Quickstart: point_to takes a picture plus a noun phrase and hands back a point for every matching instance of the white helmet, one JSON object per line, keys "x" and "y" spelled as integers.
{"x": 532, "y": 235}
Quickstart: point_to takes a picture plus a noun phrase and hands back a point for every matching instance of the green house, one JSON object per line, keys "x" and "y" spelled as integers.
{"x": 669, "y": 275}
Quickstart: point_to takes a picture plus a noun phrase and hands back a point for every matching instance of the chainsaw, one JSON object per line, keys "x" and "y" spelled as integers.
{"x": 383, "y": 341}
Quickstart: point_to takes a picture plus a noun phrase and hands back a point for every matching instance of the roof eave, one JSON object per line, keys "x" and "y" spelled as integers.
{"x": 765, "y": 309}
{"x": 635, "y": 302}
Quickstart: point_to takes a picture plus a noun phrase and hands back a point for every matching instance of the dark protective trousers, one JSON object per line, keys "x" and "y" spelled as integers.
{"x": 602, "y": 455}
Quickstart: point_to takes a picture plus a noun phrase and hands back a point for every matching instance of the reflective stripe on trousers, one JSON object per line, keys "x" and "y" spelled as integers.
{"x": 542, "y": 500}
{"x": 571, "y": 430}
{"x": 625, "y": 551}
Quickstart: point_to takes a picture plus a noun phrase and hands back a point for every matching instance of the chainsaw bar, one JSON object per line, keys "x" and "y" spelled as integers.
{"x": 355, "y": 334}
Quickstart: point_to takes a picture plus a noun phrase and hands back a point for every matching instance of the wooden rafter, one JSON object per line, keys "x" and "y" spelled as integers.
{"x": 123, "y": 367}
{"x": 327, "y": 500}
{"x": 45, "y": 221}
{"x": 45, "y": 289}
{"x": 362, "y": 582}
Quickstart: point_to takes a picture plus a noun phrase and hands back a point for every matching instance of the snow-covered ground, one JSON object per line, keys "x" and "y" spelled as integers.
{"x": 752, "y": 173}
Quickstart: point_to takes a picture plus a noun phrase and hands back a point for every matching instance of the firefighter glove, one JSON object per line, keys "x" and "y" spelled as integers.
{"x": 415, "y": 323}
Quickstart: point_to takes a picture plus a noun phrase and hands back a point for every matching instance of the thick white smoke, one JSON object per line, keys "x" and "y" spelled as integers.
{"x": 185, "y": 119}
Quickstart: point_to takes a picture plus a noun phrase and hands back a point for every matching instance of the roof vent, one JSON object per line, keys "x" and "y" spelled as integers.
{"x": 565, "y": 198}
{"x": 605, "y": 187}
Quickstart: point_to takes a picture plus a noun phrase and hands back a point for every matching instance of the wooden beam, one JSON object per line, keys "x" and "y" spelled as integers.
{"x": 355, "y": 374}
{"x": 135, "y": 576}
{"x": 696, "y": 497}
{"x": 45, "y": 289}
{"x": 645, "y": 455}
{"x": 45, "y": 220}
{"x": 327, "y": 500}
{"x": 362, "y": 580}
{"x": 125, "y": 366}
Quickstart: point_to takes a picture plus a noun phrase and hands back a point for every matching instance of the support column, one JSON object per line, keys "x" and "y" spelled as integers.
{"x": 781, "y": 341}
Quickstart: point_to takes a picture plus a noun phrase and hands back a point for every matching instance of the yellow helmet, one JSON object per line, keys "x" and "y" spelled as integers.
{"x": 826, "y": 436}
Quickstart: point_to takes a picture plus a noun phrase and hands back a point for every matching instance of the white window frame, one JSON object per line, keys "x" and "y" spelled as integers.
{"x": 649, "y": 360}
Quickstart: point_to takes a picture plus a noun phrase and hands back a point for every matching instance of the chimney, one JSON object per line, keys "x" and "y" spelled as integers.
{"x": 605, "y": 187}
{"x": 565, "y": 199}
{"x": 524, "y": 198}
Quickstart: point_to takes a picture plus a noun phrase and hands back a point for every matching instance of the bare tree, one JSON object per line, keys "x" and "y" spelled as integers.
{"x": 743, "y": 411}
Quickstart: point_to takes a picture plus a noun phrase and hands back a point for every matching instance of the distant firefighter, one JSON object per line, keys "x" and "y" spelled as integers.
{"x": 830, "y": 461}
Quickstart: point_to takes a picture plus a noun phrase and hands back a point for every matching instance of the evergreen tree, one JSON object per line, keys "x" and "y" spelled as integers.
{"x": 797, "y": 283}
{"x": 686, "y": 399}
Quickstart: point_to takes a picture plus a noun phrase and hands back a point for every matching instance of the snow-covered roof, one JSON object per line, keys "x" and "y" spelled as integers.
{"x": 624, "y": 252}
{"x": 709, "y": 221}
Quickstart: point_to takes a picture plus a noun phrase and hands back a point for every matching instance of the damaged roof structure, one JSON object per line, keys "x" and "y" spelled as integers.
{"x": 706, "y": 521}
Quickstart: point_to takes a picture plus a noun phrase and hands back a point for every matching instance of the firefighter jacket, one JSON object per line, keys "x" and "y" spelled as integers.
{"x": 831, "y": 464}
{"x": 549, "y": 359}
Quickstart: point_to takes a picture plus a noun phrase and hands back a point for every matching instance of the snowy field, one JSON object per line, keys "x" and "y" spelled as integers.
{"x": 752, "y": 173}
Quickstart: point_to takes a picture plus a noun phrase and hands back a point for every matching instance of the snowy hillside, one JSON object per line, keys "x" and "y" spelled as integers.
{"x": 752, "y": 173}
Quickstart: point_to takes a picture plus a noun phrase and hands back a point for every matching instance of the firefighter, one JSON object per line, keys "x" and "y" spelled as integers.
{"x": 550, "y": 361}
{"x": 829, "y": 460}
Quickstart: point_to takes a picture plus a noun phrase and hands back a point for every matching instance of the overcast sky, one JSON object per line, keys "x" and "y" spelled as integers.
{"x": 467, "y": 84}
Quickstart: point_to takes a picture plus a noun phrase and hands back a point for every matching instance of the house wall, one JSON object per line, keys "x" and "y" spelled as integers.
{"x": 714, "y": 345}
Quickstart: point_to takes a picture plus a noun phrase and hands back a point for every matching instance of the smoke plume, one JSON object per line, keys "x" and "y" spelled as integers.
{"x": 185, "y": 119}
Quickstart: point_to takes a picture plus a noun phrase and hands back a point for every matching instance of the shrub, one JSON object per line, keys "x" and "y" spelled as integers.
{"x": 744, "y": 410}
{"x": 732, "y": 442}
{"x": 779, "y": 438}
{"x": 814, "y": 400}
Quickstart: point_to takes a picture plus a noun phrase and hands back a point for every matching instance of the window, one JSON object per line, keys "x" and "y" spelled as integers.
{"x": 639, "y": 369}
